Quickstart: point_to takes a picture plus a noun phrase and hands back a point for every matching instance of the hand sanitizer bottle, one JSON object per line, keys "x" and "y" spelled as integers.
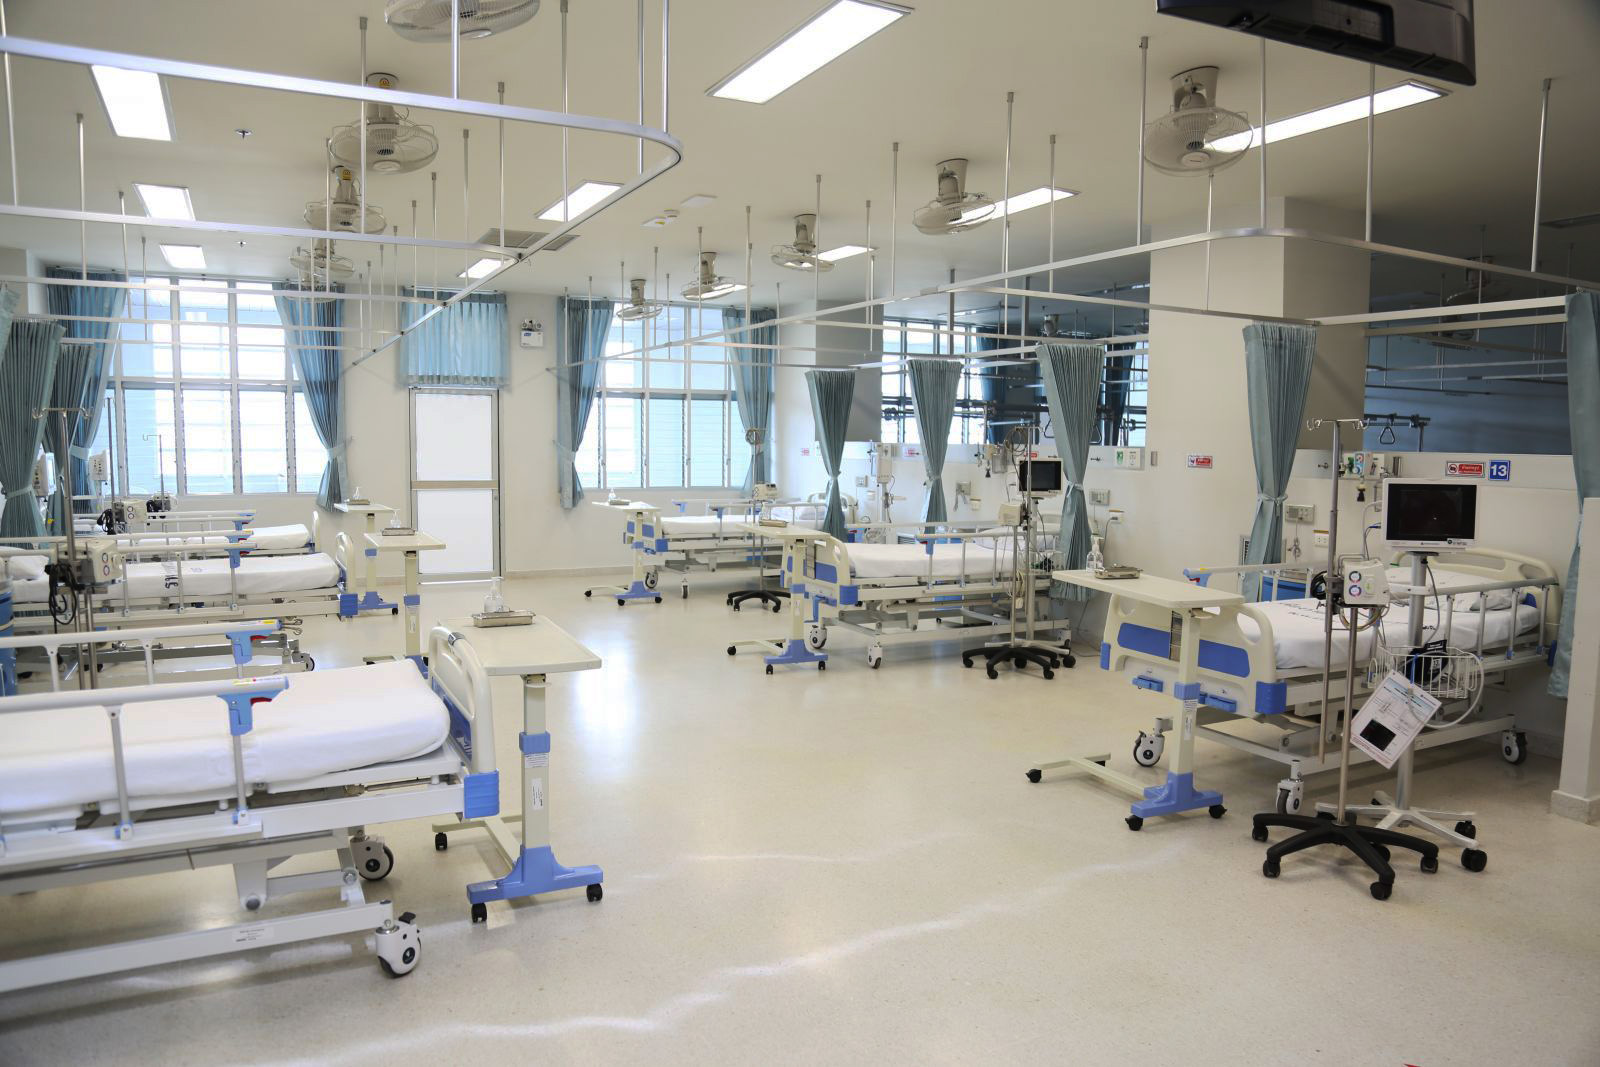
{"x": 494, "y": 603}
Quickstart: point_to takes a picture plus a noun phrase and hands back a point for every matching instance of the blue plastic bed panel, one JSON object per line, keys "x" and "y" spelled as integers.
{"x": 1284, "y": 590}
{"x": 349, "y": 606}
{"x": 629, "y": 527}
{"x": 1146, "y": 639}
{"x": 1221, "y": 703}
{"x": 1155, "y": 685}
{"x": 1224, "y": 659}
{"x": 1272, "y": 698}
{"x": 480, "y": 795}
{"x": 825, "y": 572}
{"x": 1186, "y": 690}
{"x": 849, "y": 595}
{"x": 1105, "y": 655}
{"x": 460, "y": 728}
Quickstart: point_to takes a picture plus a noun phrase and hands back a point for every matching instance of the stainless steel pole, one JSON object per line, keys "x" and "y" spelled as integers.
{"x": 1144, "y": 93}
{"x": 1538, "y": 176}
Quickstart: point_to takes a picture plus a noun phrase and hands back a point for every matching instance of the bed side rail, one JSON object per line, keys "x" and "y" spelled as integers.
{"x": 1238, "y": 672}
{"x": 457, "y": 675}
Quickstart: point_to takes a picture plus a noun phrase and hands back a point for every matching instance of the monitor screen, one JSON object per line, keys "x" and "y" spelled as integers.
{"x": 1039, "y": 476}
{"x": 1430, "y": 514}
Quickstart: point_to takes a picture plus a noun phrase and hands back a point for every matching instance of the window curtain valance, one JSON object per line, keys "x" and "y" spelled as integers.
{"x": 311, "y": 325}
{"x": 89, "y": 365}
{"x": 753, "y": 385}
{"x": 1583, "y": 400}
{"x": 27, "y": 375}
{"x": 466, "y": 344}
{"x": 1073, "y": 375}
{"x": 1277, "y": 367}
{"x": 584, "y": 326}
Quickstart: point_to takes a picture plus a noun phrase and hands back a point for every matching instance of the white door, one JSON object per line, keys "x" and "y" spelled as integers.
{"x": 455, "y": 480}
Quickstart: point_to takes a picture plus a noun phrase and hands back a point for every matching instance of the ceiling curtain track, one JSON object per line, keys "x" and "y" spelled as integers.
{"x": 1583, "y": 400}
{"x": 1277, "y": 370}
{"x": 754, "y": 386}
{"x": 27, "y": 373}
{"x": 832, "y": 393}
{"x": 91, "y": 301}
{"x": 1073, "y": 375}
{"x": 465, "y": 345}
{"x": 311, "y": 327}
{"x": 935, "y": 384}
{"x": 584, "y": 325}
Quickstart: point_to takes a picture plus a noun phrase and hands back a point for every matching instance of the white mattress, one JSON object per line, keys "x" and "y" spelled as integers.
{"x": 710, "y": 525}
{"x": 260, "y": 538}
{"x": 257, "y": 575}
{"x": 30, "y": 590}
{"x": 1297, "y": 630}
{"x": 326, "y": 721}
{"x": 975, "y": 560}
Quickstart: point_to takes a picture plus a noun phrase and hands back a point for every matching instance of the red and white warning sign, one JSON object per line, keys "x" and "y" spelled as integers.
{"x": 1200, "y": 462}
{"x": 1461, "y": 469}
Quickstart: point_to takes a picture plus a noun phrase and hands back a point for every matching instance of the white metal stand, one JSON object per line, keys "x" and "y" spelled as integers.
{"x": 411, "y": 545}
{"x": 369, "y": 600}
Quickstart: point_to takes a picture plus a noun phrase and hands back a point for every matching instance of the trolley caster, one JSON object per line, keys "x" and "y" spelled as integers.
{"x": 966, "y": 661}
{"x": 1019, "y": 663}
{"x": 1474, "y": 859}
{"x": 1034, "y": 775}
{"x": 1216, "y": 811}
{"x": 686, "y": 592}
{"x": 658, "y": 600}
{"x": 480, "y": 912}
{"x": 399, "y": 945}
{"x": 1467, "y": 828}
{"x": 373, "y": 859}
{"x": 619, "y": 602}
{"x": 1258, "y": 833}
{"x": 822, "y": 664}
{"x": 992, "y": 672}
{"x": 651, "y": 579}
{"x": 816, "y": 638}
{"x": 1269, "y": 867}
{"x": 775, "y": 608}
{"x": 1147, "y": 749}
{"x": 769, "y": 668}
{"x": 732, "y": 651}
{"x": 1134, "y": 822}
{"x": 874, "y": 657}
{"x": 588, "y": 592}
{"x": 1430, "y": 865}
{"x": 1514, "y": 746}
{"x": 1049, "y": 674}
{"x": 1381, "y": 890}
{"x": 1069, "y": 661}
{"x": 1291, "y": 795}
{"x": 440, "y": 842}
{"x": 594, "y": 893}
{"x": 735, "y": 607}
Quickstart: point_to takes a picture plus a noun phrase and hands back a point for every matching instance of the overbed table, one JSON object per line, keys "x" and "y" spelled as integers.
{"x": 410, "y": 544}
{"x": 369, "y": 600}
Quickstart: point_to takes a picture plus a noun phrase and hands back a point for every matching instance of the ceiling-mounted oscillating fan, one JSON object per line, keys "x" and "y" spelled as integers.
{"x": 320, "y": 264}
{"x": 802, "y": 255}
{"x": 638, "y": 308}
{"x": 395, "y": 144}
{"x": 1196, "y": 137}
{"x": 429, "y": 20}
{"x": 709, "y": 285}
{"x": 342, "y": 211}
{"x": 954, "y": 210}
{"x": 1481, "y": 288}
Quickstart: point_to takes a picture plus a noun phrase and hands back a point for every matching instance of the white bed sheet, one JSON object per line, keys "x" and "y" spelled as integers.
{"x": 257, "y": 575}
{"x": 258, "y": 539}
{"x": 326, "y": 721}
{"x": 1297, "y": 631}
{"x": 974, "y": 560}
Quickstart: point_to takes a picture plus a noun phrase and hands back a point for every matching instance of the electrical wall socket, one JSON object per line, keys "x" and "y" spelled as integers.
{"x": 861, "y": 481}
{"x": 1299, "y": 513}
{"x": 1319, "y": 539}
{"x": 1099, "y": 498}
{"x": 1114, "y": 516}
{"x": 964, "y": 488}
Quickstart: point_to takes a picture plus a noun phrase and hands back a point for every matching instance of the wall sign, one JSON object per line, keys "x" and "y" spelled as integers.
{"x": 1199, "y": 462}
{"x": 1499, "y": 470}
{"x": 1462, "y": 469}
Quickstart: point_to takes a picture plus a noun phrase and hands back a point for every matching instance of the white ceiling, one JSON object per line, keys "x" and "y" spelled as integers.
{"x": 935, "y": 81}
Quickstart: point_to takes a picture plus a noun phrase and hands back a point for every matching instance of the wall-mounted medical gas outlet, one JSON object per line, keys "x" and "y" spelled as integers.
{"x": 1319, "y": 538}
{"x": 1299, "y": 513}
{"x": 1099, "y": 498}
{"x": 1114, "y": 516}
{"x": 532, "y": 335}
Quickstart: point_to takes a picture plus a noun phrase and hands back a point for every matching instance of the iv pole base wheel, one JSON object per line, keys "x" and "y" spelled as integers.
{"x": 1019, "y": 656}
{"x": 1370, "y": 844}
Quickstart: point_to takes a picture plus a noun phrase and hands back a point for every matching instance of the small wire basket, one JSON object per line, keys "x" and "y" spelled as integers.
{"x": 1449, "y": 675}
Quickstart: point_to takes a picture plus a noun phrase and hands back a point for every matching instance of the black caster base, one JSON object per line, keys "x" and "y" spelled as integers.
{"x": 1369, "y": 843}
{"x": 594, "y": 893}
{"x": 588, "y": 592}
{"x": 440, "y": 842}
{"x": 732, "y": 650}
{"x": 1034, "y": 775}
{"x": 1134, "y": 822}
{"x": 1018, "y": 655}
{"x": 764, "y": 597}
{"x": 1216, "y": 811}
{"x": 769, "y": 668}
{"x": 1474, "y": 859}
{"x": 480, "y": 913}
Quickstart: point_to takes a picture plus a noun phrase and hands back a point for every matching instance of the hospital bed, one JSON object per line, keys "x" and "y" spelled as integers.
{"x": 116, "y": 783}
{"x": 960, "y": 581}
{"x": 1262, "y": 662}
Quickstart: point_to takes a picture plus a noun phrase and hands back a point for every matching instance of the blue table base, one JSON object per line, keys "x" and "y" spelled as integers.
{"x": 1176, "y": 794}
{"x": 536, "y": 871}
{"x": 796, "y": 651}
{"x": 637, "y": 591}
{"x": 371, "y": 601}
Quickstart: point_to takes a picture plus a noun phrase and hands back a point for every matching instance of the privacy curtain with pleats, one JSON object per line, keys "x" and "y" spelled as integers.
{"x": 935, "y": 384}
{"x": 465, "y": 345}
{"x": 1277, "y": 367}
{"x": 312, "y": 327}
{"x": 753, "y": 385}
{"x": 77, "y": 367}
{"x": 27, "y": 375}
{"x": 832, "y": 392}
{"x": 86, "y": 301}
{"x": 584, "y": 327}
{"x": 1583, "y": 401}
{"x": 1073, "y": 375}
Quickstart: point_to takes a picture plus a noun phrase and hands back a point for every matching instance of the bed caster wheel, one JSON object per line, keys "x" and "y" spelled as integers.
{"x": 651, "y": 579}
{"x": 658, "y": 600}
{"x": 732, "y": 650}
{"x": 1216, "y": 811}
{"x": 1430, "y": 865}
{"x": 822, "y": 664}
{"x": 1514, "y": 746}
{"x": 480, "y": 913}
{"x": 594, "y": 893}
{"x": 1147, "y": 749}
{"x": 992, "y": 672}
{"x": 1474, "y": 859}
{"x": 685, "y": 593}
{"x": 441, "y": 842}
{"x": 309, "y": 662}
{"x": 1381, "y": 890}
{"x": 1289, "y": 801}
{"x": 1134, "y": 822}
{"x": 399, "y": 945}
{"x": 1034, "y": 775}
{"x": 1467, "y": 828}
{"x": 1258, "y": 833}
{"x": 816, "y": 638}
{"x": 588, "y": 592}
{"x": 874, "y": 657}
{"x": 769, "y": 668}
{"x": 1269, "y": 867}
{"x": 373, "y": 859}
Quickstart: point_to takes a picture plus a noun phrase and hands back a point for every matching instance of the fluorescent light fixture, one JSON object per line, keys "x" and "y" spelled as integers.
{"x": 185, "y": 257}
{"x": 578, "y": 201}
{"x": 135, "y": 102}
{"x": 481, "y": 268}
{"x": 165, "y": 201}
{"x": 1023, "y": 202}
{"x": 1391, "y": 99}
{"x": 834, "y": 255}
{"x": 821, "y": 39}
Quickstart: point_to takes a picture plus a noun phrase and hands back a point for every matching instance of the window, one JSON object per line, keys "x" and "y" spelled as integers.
{"x": 204, "y": 397}
{"x": 665, "y": 422}
{"x": 911, "y": 337}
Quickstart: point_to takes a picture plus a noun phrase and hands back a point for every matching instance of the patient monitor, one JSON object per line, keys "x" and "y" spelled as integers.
{"x": 1427, "y": 516}
{"x": 1039, "y": 477}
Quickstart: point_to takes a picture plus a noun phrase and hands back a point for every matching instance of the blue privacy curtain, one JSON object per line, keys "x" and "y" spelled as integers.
{"x": 935, "y": 383}
{"x": 77, "y": 367}
{"x": 464, "y": 345}
{"x": 753, "y": 386}
{"x": 1277, "y": 367}
{"x": 93, "y": 301}
{"x": 1072, "y": 378}
{"x": 311, "y": 326}
{"x": 1583, "y": 400}
{"x": 832, "y": 392}
{"x": 584, "y": 326}
{"x": 26, "y": 376}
